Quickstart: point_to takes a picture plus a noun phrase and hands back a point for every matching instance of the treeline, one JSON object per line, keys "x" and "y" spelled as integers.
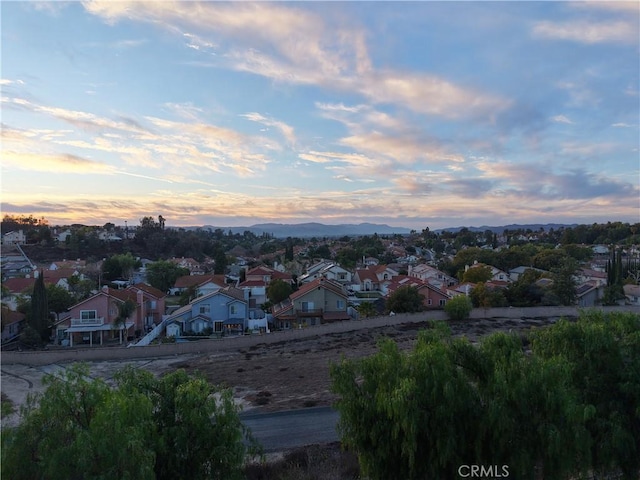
{"x": 560, "y": 402}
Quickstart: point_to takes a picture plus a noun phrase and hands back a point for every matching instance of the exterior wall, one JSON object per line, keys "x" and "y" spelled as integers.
{"x": 233, "y": 343}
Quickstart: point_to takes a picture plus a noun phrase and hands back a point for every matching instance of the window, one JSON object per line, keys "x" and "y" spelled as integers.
{"x": 233, "y": 309}
{"x": 306, "y": 306}
{"x": 442, "y": 302}
{"x": 429, "y": 301}
{"x": 88, "y": 314}
{"x": 340, "y": 304}
{"x": 205, "y": 308}
{"x": 217, "y": 326}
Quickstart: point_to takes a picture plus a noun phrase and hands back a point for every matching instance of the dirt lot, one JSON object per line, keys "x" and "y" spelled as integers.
{"x": 281, "y": 376}
{"x": 295, "y": 374}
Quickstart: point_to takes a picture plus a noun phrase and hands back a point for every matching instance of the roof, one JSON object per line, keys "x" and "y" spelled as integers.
{"x": 187, "y": 281}
{"x": 148, "y": 289}
{"x": 327, "y": 284}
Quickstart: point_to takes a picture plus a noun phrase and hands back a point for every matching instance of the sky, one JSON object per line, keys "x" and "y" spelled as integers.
{"x": 412, "y": 114}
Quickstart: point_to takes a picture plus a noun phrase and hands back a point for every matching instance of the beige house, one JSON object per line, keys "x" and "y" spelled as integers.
{"x": 317, "y": 302}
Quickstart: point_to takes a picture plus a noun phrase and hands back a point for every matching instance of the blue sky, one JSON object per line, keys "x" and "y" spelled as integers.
{"x": 414, "y": 114}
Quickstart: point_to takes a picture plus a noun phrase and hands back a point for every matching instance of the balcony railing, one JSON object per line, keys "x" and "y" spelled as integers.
{"x": 309, "y": 312}
{"x": 77, "y": 322}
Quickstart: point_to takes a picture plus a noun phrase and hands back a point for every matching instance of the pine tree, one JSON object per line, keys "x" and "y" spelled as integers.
{"x": 39, "y": 316}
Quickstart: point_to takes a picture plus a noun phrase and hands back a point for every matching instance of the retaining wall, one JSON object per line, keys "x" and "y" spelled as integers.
{"x": 89, "y": 354}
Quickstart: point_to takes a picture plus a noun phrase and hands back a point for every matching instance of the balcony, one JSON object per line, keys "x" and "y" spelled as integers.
{"x": 309, "y": 312}
{"x": 80, "y": 322}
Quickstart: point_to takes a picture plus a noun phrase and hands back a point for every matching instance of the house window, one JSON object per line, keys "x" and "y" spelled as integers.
{"x": 88, "y": 316}
{"x": 233, "y": 309}
{"x": 429, "y": 301}
{"x": 340, "y": 304}
{"x": 342, "y": 276}
{"x": 442, "y": 302}
{"x": 217, "y": 326}
{"x": 205, "y": 308}
{"x": 306, "y": 306}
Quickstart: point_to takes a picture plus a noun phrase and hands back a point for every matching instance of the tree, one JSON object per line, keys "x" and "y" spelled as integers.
{"x": 477, "y": 274}
{"x": 125, "y": 310}
{"x": 59, "y": 298}
{"x": 487, "y": 297}
{"x": 564, "y": 283}
{"x": 163, "y": 274}
{"x": 278, "y": 290}
{"x": 145, "y": 427}
{"x": 458, "y": 308}
{"x": 198, "y": 430}
{"x": 120, "y": 266}
{"x": 405, "y": 300}
{"x": 367, "y": 309}
{"x": 603, "y": 355}
{"x": 220, "y": 259}
{"x": 39, "y": 318}
{"x": 447, "y": 403}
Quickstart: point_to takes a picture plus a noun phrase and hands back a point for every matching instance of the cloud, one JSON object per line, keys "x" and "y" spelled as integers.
{"x": 539, "y": 182}
{"x": 291, "y": 45}
{"x": 286, "y": 130}
{"x": 582, "y": 31}
{"x": 561, "y": 119}
{"x": 57, "y": 163}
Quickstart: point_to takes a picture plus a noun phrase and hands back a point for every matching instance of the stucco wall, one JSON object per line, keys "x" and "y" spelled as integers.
{"x": 88, "y": 354}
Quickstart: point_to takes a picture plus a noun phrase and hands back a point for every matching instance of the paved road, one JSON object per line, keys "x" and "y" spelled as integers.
{"x": 294, "y": 428}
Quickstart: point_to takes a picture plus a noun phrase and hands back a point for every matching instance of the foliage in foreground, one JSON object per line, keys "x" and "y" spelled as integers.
{"x": 568, "y": 407}
{"x": 143, "y": 428}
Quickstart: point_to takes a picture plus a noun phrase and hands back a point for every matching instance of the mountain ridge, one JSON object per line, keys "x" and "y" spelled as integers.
{"x": 316, "y": 229}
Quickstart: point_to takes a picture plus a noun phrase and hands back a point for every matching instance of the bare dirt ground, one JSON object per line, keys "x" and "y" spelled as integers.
{"x": 295, "y": 374}
{"x": 266, "y": 377}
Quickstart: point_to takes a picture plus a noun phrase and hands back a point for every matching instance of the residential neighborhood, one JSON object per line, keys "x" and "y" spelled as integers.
{"x": 115, "y": 296}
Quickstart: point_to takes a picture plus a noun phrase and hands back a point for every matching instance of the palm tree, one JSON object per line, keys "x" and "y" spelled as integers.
{"x": 125, "y": 310}
{"x": 367, "y": 309}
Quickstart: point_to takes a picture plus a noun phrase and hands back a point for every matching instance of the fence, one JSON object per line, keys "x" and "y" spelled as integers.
{"x": 89, "y": 354}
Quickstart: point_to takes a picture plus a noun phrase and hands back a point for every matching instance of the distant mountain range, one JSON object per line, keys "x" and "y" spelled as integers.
{"x": 313, "y": 229}
{"x": 307, "y": 230}
{"x": 532, "y": 226}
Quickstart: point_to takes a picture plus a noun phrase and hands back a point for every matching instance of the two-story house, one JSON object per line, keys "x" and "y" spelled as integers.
{"x": 329, "y": 270}
{"x": 430, "y": 274}
{"x": 314, "y": 303}
{"x": 375, "y": 278}
{"x": 433, "y": 297}
{"x": 223, "y": 312}
{"x": 95, "y": 320}
{"x": 201, "y": 284}
{"x": 151, "y": 304}
{"x": 257, "y": 280}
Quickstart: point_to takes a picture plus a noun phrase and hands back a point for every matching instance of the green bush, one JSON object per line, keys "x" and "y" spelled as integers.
{"x": 458, "y": 308}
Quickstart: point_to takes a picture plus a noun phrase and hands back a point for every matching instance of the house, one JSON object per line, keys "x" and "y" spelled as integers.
{"x": 12, "y": 323}
{"x": 201, "y": 284}
{"x": 433, "y": 296}
{"x": 94, "y": 320}
{"x": 326, "y": 269}
{"x": 190, "y": 264}
{"x": 223, "y": 312}
{"x": 73, "y": 264}
{"x": 151, "y": 303}
{"x": 589, "y": 294}
{"x": 585, "y": 275}
{"x": 314, "y": 303}
{"x": 257, "y": 280}
{"x": 373, "y": 278}
{"x": 430, "y": 274}
{"x": 496, "y": 274}
{"x": 632, "y": 292}
{"x": 16, "y": 237}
